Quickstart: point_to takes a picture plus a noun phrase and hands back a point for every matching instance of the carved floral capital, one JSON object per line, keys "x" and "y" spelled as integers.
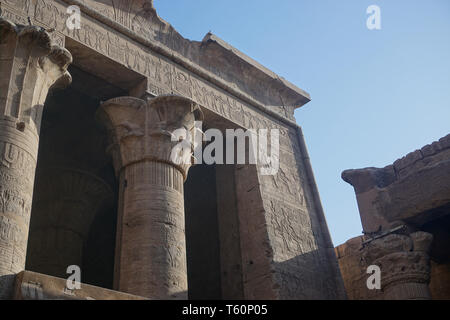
{"x": 146, "y": 130}
{"x": 30, "y": 67}
{"x": 401, "y": 258}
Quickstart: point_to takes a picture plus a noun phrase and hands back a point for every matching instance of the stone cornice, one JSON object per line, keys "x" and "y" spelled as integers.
{"x": 295, "y": 98}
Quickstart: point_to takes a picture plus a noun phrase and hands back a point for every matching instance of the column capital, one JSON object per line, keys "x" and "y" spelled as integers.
{"x": 403, "y": 259}
{"x": 29, "y": 66}
{"x": 146, "y": 130}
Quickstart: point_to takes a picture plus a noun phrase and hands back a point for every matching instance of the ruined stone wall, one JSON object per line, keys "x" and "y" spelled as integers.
{"x": 354, "y": 273}
{"x": 354, "y": 270}
{"x": 404, "y": 210}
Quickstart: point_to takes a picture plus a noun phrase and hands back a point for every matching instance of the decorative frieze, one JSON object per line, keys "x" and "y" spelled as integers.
{"x": 165, "y": 76}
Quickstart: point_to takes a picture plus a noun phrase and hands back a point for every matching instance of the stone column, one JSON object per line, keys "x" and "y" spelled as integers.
{"x": 29, "y": 67}
{"x": 151, "y": 244}
{"x": 404, "y": 263}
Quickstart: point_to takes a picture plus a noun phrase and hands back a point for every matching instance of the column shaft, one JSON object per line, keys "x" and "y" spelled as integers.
{"x": 153, "y": 245}
{"x": 18, "y": 154}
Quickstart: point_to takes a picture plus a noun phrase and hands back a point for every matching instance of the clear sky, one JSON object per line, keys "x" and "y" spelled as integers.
{"x": 376, "y": 95}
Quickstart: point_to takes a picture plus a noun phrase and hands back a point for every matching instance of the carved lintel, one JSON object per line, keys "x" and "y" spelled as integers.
{"x": 30, "y": 66}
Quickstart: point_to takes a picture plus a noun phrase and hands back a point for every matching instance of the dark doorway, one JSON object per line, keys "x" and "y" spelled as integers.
{"x": 213, "y": 236}
{"x": 73, "y": 220}
{"x": 202, "y": 234}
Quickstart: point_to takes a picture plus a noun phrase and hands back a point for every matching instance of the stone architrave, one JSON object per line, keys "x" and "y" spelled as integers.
{"x": 151, "y": 245}
{"x": 29, "y": 67}
{"x": 405, "y": 265}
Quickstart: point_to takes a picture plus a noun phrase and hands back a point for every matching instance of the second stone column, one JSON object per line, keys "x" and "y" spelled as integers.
{"x": 151, "y": 244}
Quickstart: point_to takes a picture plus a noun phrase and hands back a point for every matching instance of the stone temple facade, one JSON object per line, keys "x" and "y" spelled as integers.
{"x": 405, "y": 212}
{"x": 86, "y": 177}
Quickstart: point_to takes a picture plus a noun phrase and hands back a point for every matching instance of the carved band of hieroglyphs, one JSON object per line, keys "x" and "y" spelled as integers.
{"x": 14, "y": 17}
{"x": 52, "y": 14}
{"x": 155, "y": 173}
{"x": 164, "y": 76}
{"x": 14, "y": 201}
{"x": 291, "y": 226}
{"x": 153, "y": 228}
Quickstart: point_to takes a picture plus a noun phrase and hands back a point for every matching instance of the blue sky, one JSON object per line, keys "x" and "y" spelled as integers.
{"x": 376, "y": 95}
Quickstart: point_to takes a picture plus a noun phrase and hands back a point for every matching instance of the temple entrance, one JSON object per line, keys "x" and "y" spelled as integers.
{"x": 74, "y": 212}
{"x": 213, "y": 235}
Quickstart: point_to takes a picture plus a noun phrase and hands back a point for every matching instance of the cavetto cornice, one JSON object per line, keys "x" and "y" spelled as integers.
{"x": 212, "y": 59}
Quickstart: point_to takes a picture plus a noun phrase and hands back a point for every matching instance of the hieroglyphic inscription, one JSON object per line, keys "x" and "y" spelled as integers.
{"x": 15, "y": 158}
{"x": 13, "y": 16}
{"x": 291, "y": 227}
{"x": 22, "y": 6}
{"x": 16, "y": 185}
{"x": 164, "y": 76}
{"x": 10, "y": 231}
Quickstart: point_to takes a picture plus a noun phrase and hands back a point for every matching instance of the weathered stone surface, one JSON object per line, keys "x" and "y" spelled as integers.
{"x": 290, "y": 254}
{"x": 29, "y": 66}
{"x": 403, "y": 207}
{"x": 353, "y": 267}
{"x": 407, "y": 191}
{"x": 35, "y": 286}
{"x": 108, "y": 28}
{"x": 354, "y": 270}
{"x": 212, "y": 54}
{"x": 151, "y": 260}
{"x": 404, "y": 262}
